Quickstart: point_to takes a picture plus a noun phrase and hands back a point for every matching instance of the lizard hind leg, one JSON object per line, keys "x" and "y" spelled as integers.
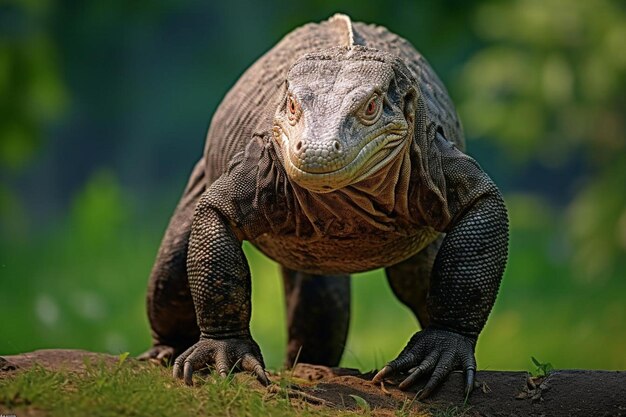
{"x": 410, "y": 280}
{"x": 170, "y": 306}
{"x": 318, "y": 315}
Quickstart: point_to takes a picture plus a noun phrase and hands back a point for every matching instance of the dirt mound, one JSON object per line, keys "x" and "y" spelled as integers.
{"x": 497, "y": 393}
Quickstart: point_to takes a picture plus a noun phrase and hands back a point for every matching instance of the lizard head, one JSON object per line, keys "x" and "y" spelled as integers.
{"x": 346, "y": 114}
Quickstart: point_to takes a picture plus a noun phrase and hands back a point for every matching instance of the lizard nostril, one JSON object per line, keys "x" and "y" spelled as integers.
{"x": 299, "y": 145}
{"x": 336, "y": 145}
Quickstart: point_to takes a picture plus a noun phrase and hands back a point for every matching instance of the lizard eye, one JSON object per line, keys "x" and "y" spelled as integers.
{"x": 293, "y": 109}
{"x": 371, "y": 110}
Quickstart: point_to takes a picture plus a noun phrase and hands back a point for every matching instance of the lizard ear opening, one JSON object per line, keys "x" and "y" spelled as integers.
{"x": 410, "y": 107}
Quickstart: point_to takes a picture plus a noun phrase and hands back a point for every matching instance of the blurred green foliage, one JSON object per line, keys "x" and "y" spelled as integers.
{"x": 31, "y": 91}
{"x": 550, "y": 86}
{"x": 103, "y": 107}
{"x": 551, "y": 79}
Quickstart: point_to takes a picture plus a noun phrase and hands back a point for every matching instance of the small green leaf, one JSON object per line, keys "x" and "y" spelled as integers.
{"x": 121, "y": 358}
{"x": 542, "y": 369}
{"x": 361, "y": 403}
{"x": 547, "y": 368}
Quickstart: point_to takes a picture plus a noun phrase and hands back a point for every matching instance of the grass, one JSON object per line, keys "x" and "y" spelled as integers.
{"x": 105, "y": 390}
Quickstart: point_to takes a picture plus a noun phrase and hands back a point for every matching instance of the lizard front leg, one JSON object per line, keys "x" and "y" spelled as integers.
{"x": 219, "y": 279}
{"x": 464, "y": 283}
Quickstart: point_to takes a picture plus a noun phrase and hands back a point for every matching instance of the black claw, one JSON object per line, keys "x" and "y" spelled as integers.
{"x": 188, "y": 373}
{"x": 179, "y": 362}
{"x": 423, "y": 394}
{"x": 386, "y": 371}
{"x": 177, "y": 371}
{"x": 261, "y": 375}
{"x": 426, "y": 366}
{"x": 469, "y": 381}
{"x": 252, "y": 364}
{"x": 410, "y": 380}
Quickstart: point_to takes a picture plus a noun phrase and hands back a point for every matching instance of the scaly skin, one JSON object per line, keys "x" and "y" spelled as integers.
{"x": 338, "y": 151}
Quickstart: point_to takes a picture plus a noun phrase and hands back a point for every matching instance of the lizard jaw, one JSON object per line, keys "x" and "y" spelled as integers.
{"x": 376, "y": 154}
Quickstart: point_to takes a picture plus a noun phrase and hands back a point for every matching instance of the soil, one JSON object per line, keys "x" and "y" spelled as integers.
{"x": 496, "y": 393}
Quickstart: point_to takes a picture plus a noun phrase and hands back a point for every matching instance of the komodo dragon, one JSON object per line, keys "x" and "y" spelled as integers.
{"x": 338, "y": 151}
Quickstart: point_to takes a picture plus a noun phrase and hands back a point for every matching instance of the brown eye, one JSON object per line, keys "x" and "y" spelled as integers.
{"x": 292, "y": 105}
{"x": 292, "y": 109}
{"x": 371, "y": 108}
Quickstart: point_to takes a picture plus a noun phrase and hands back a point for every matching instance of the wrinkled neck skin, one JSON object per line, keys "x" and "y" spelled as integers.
{"x": 378, "y": 202}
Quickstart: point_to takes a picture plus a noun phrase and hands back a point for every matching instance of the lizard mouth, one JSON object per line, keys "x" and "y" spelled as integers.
{"x": 380, "y": 148}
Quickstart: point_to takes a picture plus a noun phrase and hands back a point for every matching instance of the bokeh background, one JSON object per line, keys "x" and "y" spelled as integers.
{"x": 104, "y": 106}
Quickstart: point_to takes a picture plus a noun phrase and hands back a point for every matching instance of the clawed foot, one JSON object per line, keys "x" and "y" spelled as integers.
{"x": 159, "y": 353}
{"x": 433, "y": 352}
{"x": 223, "y": 355}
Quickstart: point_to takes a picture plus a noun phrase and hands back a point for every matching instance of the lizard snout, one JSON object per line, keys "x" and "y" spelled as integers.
{"x": 317, "y": 156}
